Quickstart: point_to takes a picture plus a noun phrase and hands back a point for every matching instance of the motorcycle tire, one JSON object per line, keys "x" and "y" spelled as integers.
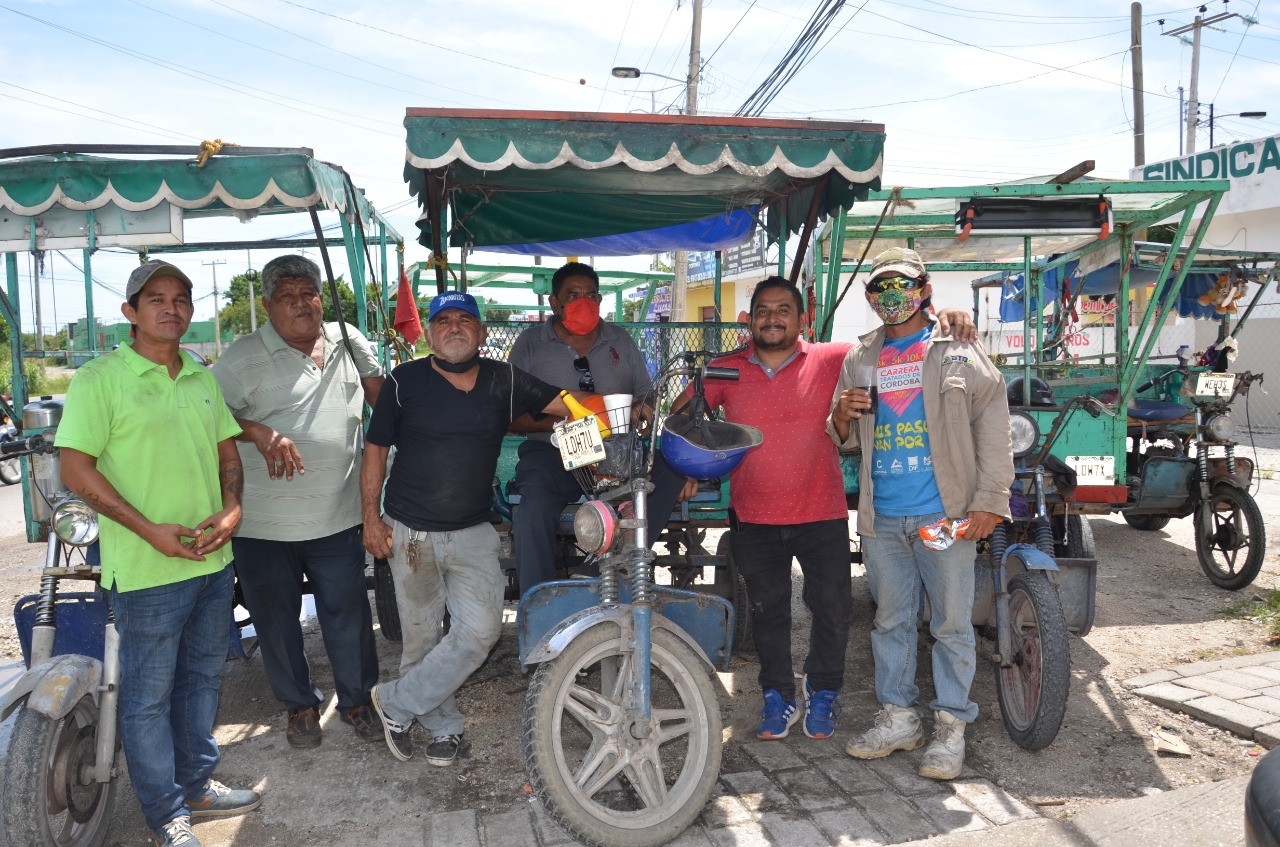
{"x": 40, "y": 800}
{"x": 11, "y": 471}
{"x": 585, "y": 765}
{"x": 1033, "y": 690}
{"x": 384, "y": 600}
{"x": 731, "y": 586}
{"x": 1147, "y": 523}
{"x": 1237, "y": 528}
{"x": 1079, "y": 535}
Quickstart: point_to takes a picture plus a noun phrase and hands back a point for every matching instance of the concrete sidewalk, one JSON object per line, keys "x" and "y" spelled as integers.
{"x": 1209, "y": 815}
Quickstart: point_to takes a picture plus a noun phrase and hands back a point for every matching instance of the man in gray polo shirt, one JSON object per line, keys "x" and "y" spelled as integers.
{"x": 578, "y": 351}
{"x": 299, "y": 395}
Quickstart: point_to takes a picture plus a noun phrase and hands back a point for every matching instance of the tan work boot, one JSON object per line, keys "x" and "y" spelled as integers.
{"x": 896, "y": 728}
{"x": 945, "y": 757}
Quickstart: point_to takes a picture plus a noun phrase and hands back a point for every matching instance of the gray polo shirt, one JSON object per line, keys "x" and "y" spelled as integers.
{"x": 265, "y": 380}
{"x": 617, "y": 366}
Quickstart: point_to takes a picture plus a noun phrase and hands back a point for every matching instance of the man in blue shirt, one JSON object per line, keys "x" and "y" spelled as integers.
{"x": 935, "y": 447}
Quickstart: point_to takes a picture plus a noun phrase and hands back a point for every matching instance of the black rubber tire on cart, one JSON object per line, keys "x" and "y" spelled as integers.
{"x": 730, "y": 585}
{"x": 1033, "y": 689}
{"x": 1080, "y": 543}
{"x": 1237, "y": 531}
{"x": 42, "y": 800}
{"x": 384, "y": 599}
{"x": 1147, "y": 523}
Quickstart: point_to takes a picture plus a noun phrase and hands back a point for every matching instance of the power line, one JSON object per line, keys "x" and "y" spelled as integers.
{"x": 792, "y": 60}
{"x": 218, "y": 82}
{"x": 175, "y": 134}
{"x": 276, "y": 54}
{"x": 436, "y": 46}
{"x": 617, "y": 49}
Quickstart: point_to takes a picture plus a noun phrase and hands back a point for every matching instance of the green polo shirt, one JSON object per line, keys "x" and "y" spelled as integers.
{"x": 156, "y": 440}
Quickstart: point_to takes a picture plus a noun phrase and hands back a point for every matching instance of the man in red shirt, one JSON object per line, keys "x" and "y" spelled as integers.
{"x": 787, "y": 500}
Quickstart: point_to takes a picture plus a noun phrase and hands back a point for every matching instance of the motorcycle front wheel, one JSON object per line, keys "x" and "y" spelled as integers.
{"x": 46, "y": 795}
{"x": 602, "y": 778}
{"x": 1033, "y": 689}
{"x": 1231, "y": 548}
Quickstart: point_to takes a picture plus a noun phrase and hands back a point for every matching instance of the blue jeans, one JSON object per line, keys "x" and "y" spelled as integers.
{"x": 271, "y": 578}
{"x": 457, "y": 571}
{"x": 173, "y": 641}
{"x": 898, "y": 567}
{"x": 545, "y": 488}
{"x": 763, "y": 555}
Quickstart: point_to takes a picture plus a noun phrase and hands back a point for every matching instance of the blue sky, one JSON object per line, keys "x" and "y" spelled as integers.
{"x": 969, "y": 92}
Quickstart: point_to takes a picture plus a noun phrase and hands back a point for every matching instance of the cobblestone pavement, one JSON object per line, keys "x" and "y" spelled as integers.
{"x": 1241, "y": 694}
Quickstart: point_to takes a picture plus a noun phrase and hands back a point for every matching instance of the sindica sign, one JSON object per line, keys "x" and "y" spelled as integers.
{"x": 1241, "y": 159}
{"x": 1249, "y": 215}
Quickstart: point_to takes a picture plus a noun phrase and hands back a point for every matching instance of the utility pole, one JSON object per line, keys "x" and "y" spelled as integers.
{"x": 217, "y": 319}
{"x": 680, "y": 284}
{"x": 250, "y": 275}
{"x": 1193, "y": 103}
{"x": 39, "y": 311}
{"x": 1139, "y": 117}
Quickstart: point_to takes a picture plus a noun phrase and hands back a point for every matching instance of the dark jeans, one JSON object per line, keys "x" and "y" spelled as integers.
{"x": 545, "y": 488}
{"x": 271, "y": 578}
{"x": 173, "y": 642}
{"x": 763, "y": 554}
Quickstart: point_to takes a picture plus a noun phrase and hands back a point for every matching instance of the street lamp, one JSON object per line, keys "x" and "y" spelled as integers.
{"x": 1212, "y": 118}
{"x": 636, "y": 73}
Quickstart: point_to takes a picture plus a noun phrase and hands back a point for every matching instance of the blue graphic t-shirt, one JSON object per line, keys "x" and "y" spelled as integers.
{"x": 902, "y": 468}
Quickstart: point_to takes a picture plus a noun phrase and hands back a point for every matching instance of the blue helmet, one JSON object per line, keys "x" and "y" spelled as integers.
{"x": 706, "y": 449}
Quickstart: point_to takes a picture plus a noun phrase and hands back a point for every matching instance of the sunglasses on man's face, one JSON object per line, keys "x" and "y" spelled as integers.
{"x": 585, "y": 382}
{"x": 893, "y": 283}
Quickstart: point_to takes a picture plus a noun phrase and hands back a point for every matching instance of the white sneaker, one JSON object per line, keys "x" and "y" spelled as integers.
{"x": 945, "y": 757}
{"x": 896, "y": 728}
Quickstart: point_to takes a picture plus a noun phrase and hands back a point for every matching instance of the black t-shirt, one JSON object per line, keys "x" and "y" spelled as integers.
{"x": 447, "y": 441}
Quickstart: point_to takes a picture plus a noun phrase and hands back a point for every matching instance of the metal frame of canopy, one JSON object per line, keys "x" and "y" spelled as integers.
{"x": 510, "y": 178}
{"x": 924, "y": 219}
{"x": 96, "y": 199}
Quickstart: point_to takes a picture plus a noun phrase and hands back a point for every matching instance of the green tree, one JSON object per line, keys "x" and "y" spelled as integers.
{"x": 495, "y": 315}
{"x": 235, "y": 315}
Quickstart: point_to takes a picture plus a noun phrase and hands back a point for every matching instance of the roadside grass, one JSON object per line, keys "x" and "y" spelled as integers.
{"x": 1264, "y": 610}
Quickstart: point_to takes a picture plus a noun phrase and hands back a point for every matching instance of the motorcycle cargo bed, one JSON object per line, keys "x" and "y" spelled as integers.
{"x": 81, "y": 619}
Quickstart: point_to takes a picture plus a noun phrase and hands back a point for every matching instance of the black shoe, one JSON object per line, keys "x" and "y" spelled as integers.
{"x": 443, "y": 749}
{"x": 303, "y": 729}
{"x": 365, "y": 721}
{"x": 397, "y": 734}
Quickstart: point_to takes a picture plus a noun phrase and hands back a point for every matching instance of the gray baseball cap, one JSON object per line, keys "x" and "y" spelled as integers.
{"x": 143, "y": 274}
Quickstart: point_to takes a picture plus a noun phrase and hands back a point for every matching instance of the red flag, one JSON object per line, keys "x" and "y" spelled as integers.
{"x": 407, "y": 321}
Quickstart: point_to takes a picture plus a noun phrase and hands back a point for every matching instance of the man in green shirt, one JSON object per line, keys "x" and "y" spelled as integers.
{"x": 147, "y": 441}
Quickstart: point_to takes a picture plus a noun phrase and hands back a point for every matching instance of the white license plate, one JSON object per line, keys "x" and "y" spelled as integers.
{"x": 1215, "y": 385}
{"x": 1093, "y": 470}
{"x": 579, "y": 442}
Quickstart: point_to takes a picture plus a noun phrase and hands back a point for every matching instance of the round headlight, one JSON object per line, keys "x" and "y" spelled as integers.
{"x": 1024, "y": 433}
{"x": 75, "y": 523}
{"x": 594, "y": 526}
{"x": 1220, "y": 427}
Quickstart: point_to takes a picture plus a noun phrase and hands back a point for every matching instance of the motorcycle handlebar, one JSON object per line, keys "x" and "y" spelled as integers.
{"x": 721, "y": 373}
{"x": 24, "y": 446}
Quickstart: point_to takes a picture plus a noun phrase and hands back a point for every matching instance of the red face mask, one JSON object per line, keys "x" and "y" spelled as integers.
{"x": 581, "y": 316}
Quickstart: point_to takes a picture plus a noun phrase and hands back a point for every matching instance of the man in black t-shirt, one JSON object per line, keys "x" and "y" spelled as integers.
{"x": 446, "y": 416}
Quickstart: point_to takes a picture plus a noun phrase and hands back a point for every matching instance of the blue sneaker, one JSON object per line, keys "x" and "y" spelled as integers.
{"x": 821, "y": 708}
{"x": 777, "y": 716}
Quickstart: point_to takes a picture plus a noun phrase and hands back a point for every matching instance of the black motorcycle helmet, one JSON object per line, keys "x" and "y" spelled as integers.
{"x": 1041, "y": 393}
